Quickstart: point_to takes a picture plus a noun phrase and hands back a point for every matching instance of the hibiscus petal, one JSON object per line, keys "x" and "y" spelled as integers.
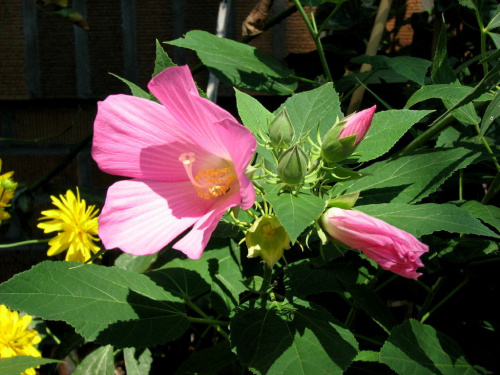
{"x": 176, "y": 90}
{"x": 141, "y": 217}
{"x": 135, "y": 137}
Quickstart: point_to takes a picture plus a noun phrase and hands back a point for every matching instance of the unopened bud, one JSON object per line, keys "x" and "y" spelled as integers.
{"x": 292, "y": 165}
{"x": 341, "y": 140}
{"x": 268, "y": 239}
{"x": 281, "y": 131}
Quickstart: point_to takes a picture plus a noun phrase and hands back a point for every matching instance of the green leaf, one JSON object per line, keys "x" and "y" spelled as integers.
{"x": 367, "y": 356}
{"x": 412, "y": 68}
{"x": 304, "y": 278}
{"x": 414, "y": 348}
{"x": 220, "y": 269}
{"x": 180, "y": 281}
{"x": 428, "y": 218}
{"x": 495, "y": 21}
{"x": 438, "y": 91}
{"x": 162, "y": 61}
{"x": 463, "y": 250}
{"x": 488, "y": 214}
{"x": 312, "y": 109}
{"x": 253, "y": 114}
{"x": 441, "y": 68}
{"x": 136, "y": 90}
{"x": 409, "y": 178}
{"x": 256, "y": 118}
{"x": 100, "y": 302}
{"x": 491, "y": 114}
{"x": 17, "y": 365}
{"x": 372, "y": 304}
{"x": 100, "y": 361}
{"x": 137, "y": 361}
{"x": 238, "y": 64}
{"x": 295, "y": 212}
{"x": 218, "y": 359}
{"x": 386, "y": 129}
{"x": 291, "y": 339}
{"x": 450, "y": 94}
{"x": 135, "y": 263}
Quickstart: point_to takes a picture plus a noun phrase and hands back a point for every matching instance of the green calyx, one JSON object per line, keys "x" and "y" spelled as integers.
{"x": 268, "y": 239}
{"x": 292, "y": 165}
{"x": 281, "y": 131}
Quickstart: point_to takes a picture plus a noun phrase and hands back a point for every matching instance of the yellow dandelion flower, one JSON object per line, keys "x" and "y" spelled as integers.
{"x": 76, "y": 227}
{"x": 15, "y": 337}
{"x": 7, "y": 189}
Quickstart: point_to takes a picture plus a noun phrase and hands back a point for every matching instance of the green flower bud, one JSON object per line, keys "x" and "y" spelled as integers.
{"x": 345, "y": 202}
{"x": 281, "y": 131}
{"x": 268, "y": 239}
{"x": 292, "y": 165}
{"x": 333, "y": 149}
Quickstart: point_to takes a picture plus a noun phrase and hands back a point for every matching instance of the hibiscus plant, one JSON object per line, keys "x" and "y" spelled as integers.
{"x": 309, "y": 238}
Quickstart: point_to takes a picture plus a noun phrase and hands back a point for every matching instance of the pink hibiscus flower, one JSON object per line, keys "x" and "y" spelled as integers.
{"x": 392, "y": 248}
{"x": 187, "y": 159}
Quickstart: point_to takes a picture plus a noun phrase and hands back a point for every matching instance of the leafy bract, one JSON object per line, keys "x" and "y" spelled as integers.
{"x": 162, "y": 60}
{"x": 279, "y": 338}
{"x": 409, "y": 178}
{"x": 238, "y": 64}
{"x": 428, "y": 218}
{"x": 414, "y": 348}
{"x": 386, "y": 129}
{"x": 100, "y": 302}
{"x": 295, "y": 212}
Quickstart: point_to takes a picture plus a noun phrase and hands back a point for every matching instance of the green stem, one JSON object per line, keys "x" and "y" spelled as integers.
{"x": 316, "y": 39}
{"x": 368, "y": 339}
{"x": 442, "y": 301}
{"x": 266, "y": 283}
{"x": 493, "y": 189}
{"x": 22, "y": 243}
{"x": 206, "y": 319}
{"x": 483, "y": 38}
{"x": 325, "y": 22}
{"x": 68, "y": 159}
{"x": 431, "y": 295}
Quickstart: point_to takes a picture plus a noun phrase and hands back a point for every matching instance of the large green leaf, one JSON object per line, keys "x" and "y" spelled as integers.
{"x": 17, "y": 365}
{"x": 218, "y": 270}
{"x": 137, "y": 361}
{"x": 136, "y": 263}
{"x": 488, "y": 214}
{"x": 428, "y": 218}
{"x": 304, "y": 278}
{"x": 414, "y": 348}
{"x": 412, "y": 68}
{"x": 491, "y": 114}
{"x": 100, "y": 361}
{"x": 438, "y": 91}
{"x": 295, "y": 212}
{"x": 386, "y": 129}
{"x": 409, "y": 178}
{"x": 312, "y": 110}
{"x": 238, "y": 64}
{"x": 100, "y": 302}
{"x": 216, "y": 360}
{"x": 280, "y": 338}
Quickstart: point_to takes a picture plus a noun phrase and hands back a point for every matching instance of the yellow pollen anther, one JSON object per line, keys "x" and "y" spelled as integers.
{"x": 209, "y": 183}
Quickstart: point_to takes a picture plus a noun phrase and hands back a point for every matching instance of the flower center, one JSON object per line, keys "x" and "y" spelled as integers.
{"x": 209, "y": 183}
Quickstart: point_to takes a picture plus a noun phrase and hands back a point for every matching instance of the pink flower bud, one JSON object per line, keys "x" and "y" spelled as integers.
{"x": 358, "y": 123}
{"x": 392, "y": 248}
